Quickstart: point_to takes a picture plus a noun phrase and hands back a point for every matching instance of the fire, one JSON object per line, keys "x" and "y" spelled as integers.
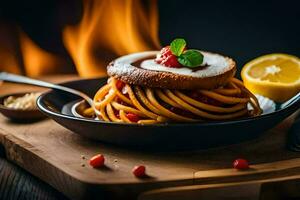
{"x": 36, "y": 60}
{"x": 9, "y": 61}
{"x": 110, "y": 28}
{"x": 8, "y": 53}
{"x": 20, "y": 55}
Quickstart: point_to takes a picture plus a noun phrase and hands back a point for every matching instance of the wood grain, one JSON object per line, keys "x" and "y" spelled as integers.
{"x": 17, "y": 185}
{"x": 273, "y": 188}
{"x": 54, "y": 154}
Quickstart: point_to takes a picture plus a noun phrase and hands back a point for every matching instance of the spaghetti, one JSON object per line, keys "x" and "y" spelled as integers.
{"x": 121, "y": 102}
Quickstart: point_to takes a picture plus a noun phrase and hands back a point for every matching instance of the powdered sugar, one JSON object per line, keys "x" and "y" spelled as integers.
{"x": 214, "y": 64}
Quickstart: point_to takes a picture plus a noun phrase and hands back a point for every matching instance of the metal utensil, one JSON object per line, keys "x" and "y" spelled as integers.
{"x": 290, "y": 101}
{"x": 25, "y": 80}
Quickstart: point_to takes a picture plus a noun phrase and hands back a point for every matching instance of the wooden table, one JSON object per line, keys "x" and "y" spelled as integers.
{"x": 54, "y": 154}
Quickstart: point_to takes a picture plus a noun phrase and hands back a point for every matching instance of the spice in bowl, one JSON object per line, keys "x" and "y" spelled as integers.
{"x": 21, "y": 107}
{"x": 26, "y": 102}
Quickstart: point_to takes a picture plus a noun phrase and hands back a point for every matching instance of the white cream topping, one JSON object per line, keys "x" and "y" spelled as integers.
{"x": 214, "y": 64}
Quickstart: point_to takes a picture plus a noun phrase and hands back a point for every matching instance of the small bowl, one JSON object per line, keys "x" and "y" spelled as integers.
{"x": 18, "y": 114}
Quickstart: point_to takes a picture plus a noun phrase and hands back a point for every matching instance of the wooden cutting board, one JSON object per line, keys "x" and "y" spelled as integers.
{"x": 55, "y": 155}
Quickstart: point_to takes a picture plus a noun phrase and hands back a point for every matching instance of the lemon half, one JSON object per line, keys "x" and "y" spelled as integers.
{"x": 276, "y": 76}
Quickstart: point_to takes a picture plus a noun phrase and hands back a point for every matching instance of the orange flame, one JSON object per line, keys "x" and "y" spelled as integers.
{"x": 9, "y": 61}
{"x": 36, "y": 60}
{"x": 20, "y": 55}
{"x": 110, "y": 28}
{"x": 8, "y": 53}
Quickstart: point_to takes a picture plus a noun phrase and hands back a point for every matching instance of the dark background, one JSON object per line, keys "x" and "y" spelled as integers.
{"x": 240, "y": 29}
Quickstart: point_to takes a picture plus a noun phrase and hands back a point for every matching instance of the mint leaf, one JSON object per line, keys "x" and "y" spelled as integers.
{"x": 191, "y": 58}
{"x": 177, "y": 46}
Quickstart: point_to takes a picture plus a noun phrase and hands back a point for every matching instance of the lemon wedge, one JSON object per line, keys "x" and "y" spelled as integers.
{"x": 276, "y": 76}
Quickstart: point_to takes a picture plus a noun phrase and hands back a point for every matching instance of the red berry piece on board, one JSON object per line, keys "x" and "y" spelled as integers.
{"x": 132, "y": 117}
{"x": 240, "y": 164}
{"x": 139, "y": 171}
{"x": 97, "y": 161}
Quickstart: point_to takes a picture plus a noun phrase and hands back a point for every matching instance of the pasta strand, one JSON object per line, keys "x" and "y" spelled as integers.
{"x": 154, "y": 105}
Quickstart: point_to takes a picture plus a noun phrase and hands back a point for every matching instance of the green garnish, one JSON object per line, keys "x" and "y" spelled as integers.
{"x": 188, "y": 58}
{"x": 191, "y": 58}
{"x": 177, "y": 46}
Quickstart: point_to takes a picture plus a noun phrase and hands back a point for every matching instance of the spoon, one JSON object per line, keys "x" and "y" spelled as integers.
{"x": 25, "y": 80}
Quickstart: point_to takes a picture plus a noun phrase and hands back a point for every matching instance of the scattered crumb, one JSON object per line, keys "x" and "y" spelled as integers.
{"x": 82, "y": 165}
{"x": 82, "y": 156}
{"x": 115, "y": 160}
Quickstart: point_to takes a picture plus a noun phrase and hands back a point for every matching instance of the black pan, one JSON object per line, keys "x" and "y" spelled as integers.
{"x": 57, "y": 105}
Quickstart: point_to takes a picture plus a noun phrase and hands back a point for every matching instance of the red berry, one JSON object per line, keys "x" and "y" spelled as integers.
{"x": 165, "y": 52}
{"x": 171, "y": 61}
{"x": 139, "y": 171}
{"x": 120, "y": 84}
{"x": 240, "y": 164}
{"x": 167, "y": 58}
{"x": 97, "y": 161}
{"x": 132, "y": 117}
